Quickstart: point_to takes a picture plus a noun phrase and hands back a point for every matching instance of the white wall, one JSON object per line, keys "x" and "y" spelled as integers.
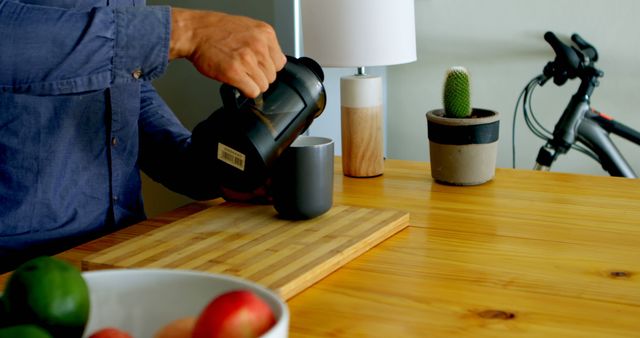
{"x": 501, "y": 43}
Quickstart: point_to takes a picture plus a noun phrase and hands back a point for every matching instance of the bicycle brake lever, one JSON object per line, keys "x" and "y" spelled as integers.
{"x": 558, "y": 73}
{"x": 542, "y": 79}
{"x": 560, "y": 78}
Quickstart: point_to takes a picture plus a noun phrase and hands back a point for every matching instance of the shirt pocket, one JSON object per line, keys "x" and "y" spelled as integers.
{"x": 54, "y": 164}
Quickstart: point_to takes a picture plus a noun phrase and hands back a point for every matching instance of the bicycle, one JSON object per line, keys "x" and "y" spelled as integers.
{"x": 580, "y": 127}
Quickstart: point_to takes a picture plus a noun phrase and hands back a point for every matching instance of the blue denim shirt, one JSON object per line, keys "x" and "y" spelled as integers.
{"x": 79, "y": 119}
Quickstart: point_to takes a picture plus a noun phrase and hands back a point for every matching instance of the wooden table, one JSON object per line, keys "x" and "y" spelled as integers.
{"x": 529, "y": 254}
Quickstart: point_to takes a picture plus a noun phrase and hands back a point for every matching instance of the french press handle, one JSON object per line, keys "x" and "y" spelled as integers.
{"x": 232, "y": 99}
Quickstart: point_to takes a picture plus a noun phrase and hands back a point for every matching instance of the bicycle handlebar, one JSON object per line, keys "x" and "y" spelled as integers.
{"x": 571, "y": 62}
{"x": 585, "y": 47}
{"x": 566, "y": 55}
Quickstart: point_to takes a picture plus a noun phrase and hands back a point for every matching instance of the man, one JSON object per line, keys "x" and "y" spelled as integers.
{"x": 79, "y": 117}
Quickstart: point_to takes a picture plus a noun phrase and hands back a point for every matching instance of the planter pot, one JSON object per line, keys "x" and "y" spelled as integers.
{"x": 463, "y": 151}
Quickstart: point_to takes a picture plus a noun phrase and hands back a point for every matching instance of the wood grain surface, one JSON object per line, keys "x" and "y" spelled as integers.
{"x": 362, "y": 141}
{"x": 529, "y": 254}
{"x": 250, "y": 241}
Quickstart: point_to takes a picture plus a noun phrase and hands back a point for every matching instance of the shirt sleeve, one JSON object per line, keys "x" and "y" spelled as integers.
{"x": 167, "y": 154}
{"x": 53, "y": 51}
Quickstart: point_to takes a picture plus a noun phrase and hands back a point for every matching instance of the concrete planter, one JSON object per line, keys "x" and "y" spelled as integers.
{"x": 463, "y": 151}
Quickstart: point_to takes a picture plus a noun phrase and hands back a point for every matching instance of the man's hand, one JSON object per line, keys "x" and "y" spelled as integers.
{"x": 236, "y": 50}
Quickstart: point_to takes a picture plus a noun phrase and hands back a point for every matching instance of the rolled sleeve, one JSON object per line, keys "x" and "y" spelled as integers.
{"x": 55, "y": 51}
{"x": 142, "y": 43}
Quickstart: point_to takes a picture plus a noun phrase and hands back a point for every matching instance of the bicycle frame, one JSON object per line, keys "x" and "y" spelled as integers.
{"x": 582, "y": 124}
{"x": 594, "y": 132}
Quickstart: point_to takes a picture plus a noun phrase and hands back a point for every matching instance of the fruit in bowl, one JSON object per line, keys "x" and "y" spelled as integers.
{"x": 141, "y": 303}
{"x": 47, "y": 293}
{"x": 179, "y": 328}
{"x": 110, "y": 332}
{"x": 239, "y": 313}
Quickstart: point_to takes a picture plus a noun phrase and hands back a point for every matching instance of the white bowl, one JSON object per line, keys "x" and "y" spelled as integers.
{"x": 141, "y": 301}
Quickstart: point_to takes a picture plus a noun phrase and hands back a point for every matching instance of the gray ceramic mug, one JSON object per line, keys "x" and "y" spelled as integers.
{"x": 302, "y": 184}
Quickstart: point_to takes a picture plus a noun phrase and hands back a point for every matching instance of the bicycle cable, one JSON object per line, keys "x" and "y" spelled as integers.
{"x": 529, "y": 117}
{"x": 524, "y": 96}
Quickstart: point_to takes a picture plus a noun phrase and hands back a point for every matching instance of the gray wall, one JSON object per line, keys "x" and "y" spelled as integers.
{"x": 500, "y": 42}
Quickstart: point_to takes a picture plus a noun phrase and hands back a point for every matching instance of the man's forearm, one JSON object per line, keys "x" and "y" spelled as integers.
{"x": 181, "y": 33}
{"x": 237, "y": 50}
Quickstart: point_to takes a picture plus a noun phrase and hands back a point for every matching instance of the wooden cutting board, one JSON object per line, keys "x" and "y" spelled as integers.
{"x": 251, "y": 242}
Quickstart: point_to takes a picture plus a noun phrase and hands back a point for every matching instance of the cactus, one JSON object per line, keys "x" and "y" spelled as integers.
{"x": 457, "y": 93}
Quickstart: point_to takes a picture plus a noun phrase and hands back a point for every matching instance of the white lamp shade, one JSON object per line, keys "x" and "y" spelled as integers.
{"x": 358, "y": 33}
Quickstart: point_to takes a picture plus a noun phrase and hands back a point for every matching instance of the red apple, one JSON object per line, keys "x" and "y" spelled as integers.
{"x": 235, "y": 314}
{"x": 110, "y": 332}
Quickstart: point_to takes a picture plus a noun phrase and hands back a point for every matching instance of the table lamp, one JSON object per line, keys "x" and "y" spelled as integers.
{"x": 359, "y": 34}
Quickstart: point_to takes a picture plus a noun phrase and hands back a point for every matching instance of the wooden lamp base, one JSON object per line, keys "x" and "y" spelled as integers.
{"x": 361, "y": 124}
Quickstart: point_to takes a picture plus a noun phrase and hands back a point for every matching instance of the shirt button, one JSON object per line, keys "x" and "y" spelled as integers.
{"x": 114, "y": 141}
{"x": 136, "y": 74}
{"x": 115, "y": 198}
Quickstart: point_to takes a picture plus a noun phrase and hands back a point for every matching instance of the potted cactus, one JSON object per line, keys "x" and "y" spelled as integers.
{"x": 463, "y": 141}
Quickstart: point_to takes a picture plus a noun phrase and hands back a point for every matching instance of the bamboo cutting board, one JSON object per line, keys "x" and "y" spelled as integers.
{"x": 251, "y": 242}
